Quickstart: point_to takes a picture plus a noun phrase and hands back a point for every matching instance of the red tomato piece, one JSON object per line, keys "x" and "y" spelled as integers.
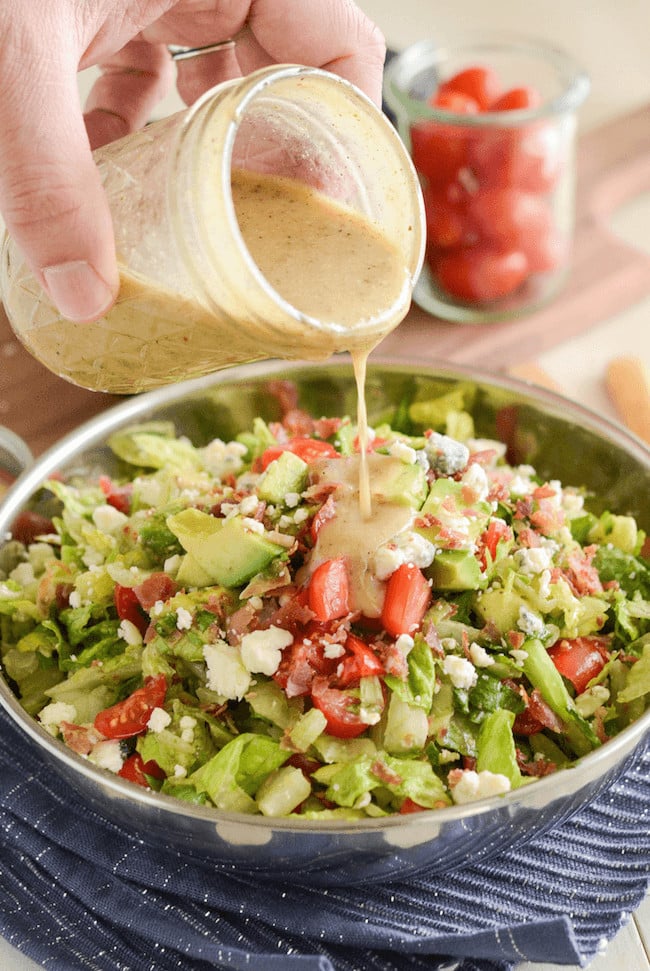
{"x": 409, "y": 806}
{"x": 529, "y": 158}
{"x": 455, "y": 101}
{"x": 481, "y": 274}
{"x": 477, "y": 82}
{"x": 579, "y": 659}
{"x": 329, "y": 590}
{"x": 326, "y": 512}
{"x": 136, "y": 771}
{"x": 438, "y": 150}
{"x": 361, "y": 662}
{"x": 130, "y": 717}
{"x": 28, "y": 526}
{"x": 509, "y": 216}
{"x": 129, "y": 608}
{"x": 339, "y": 709}
{"x": 301, "y": 662}
{"x": 308, "y": 449}
{"x": 446, "y": 215}
{"x": 408, "y": 595}
{"x": 496, "y": 532}
{"x": 517, "y": 99}
{"x": 117, "y": 496}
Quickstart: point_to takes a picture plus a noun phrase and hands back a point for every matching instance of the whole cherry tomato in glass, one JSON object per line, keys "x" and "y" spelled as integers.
{"x": 481, "y": 274}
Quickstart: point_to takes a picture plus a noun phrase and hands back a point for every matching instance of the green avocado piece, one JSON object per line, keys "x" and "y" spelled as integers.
{"x": 456, "y": 570}
{"x": 446, "y": 502}
{"x": 399, "y": 483}
{"x": 288, "y": 473}
{"x": 501, "y": 607}
{"x": 227, "y": 552}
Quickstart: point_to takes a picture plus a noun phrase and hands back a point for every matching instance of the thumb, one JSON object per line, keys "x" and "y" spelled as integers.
{"x": 51, "y": 195}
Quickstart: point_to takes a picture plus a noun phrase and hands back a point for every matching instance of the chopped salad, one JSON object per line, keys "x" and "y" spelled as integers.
{"x": 216, "y": 624}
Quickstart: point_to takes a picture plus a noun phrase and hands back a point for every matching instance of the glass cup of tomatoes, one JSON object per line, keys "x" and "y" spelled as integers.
{"x": 490, "y": 121}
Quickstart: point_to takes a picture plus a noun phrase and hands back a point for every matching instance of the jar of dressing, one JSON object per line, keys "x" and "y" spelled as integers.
{"x": 280, "y": 216}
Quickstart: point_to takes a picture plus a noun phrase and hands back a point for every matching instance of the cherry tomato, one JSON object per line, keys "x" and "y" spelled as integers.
{"x": 481, "y": 274}
{"x": 438, "y": 150}
{"x": 509, "y": 216}
{"x": 409, "y": 806}
{"x": 528, "y": 158}
{"x": 129, "y": 608}
{"x": 496, "y": 532}
{"x": 446, "y": 215}
{"x": 579, "y": 659}
{"x": 326, "y": 512}
{"x": 408, "y": 595}
{"x": 546, "y": 251}
{"x": 329, "y": 590}
{"x": 361, "y": 662}
{"x": 517, "y": 99}
{"x": 117, "y": 496}
{"x": 308, "y": 449}
{"x": 339, "y": 709}
{"x": 479, "y": 83}
{"x": 130, "y": 717}
{"x": 135, "y": 770}
{"x": 28, "y": 526}
{"x": 455, "y": 101}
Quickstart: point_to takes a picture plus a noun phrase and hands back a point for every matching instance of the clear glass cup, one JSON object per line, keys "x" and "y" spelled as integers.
{"x": 497, "y": 167}
{"x": 192, "y": 297}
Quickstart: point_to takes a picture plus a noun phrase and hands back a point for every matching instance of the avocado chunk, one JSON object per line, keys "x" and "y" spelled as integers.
{"x": 456, "y": 570}
{"x": 227, "y": 552}
{"x": 447, "y": 505}
{"x": 288, "y": 473}
{"x": 397, "y": 482}
{"x": 501, "y": 607}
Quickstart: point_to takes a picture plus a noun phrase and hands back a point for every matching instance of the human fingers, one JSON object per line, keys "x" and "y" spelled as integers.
{"x": 51, "y": 196}
{"x": 132, "y": 82}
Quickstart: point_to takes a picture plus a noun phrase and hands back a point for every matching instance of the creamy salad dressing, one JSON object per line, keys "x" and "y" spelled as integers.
{"x": 354, "y": 537}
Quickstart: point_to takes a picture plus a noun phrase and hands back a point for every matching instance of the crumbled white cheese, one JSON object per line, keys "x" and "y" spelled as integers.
{"x": 183, "y": 619}
{"x": 172, "y": 564}
{"x": 518, "y": 655}
{"x": 23, "y": 574}
{"x": 157, "y": 608}
{"x": 592, "y": 699}
{"x": 179, "y": 771}
{"x": 533, "y": 560}
{"x": 530, "y": 623}
{"x": 8, "y": 594}
{"x": 75, "y": 599}
{"x": 261, "y": 650}
{"x": 221, "y": 458}
{"x": 480, "y": 656}
{"x": 445, "y": 454}
{"x": 129, "y": 632}
{"x": 109, "y": 519}
{"x": 107, "y": 754}
{"x": 225, "y": 670}
{"x": 521, "y": 485}
{"x": 149, "y": 490}
{"x": 479, "y": 785}
{"x": 400, "y": 450}
{"x": 475, "y": 478}
{"x": 256, "y": 603}
{"x": 53, "y": 714}
{"x": 300, "y": 515}
{"x": 253, "y": 525}
{"x": 158, "y": 719}
{"x": 333, "y": 650}
{"x": 407, "y": 547}
{"x": 291, "y": 499}
{"x": 248, "y": 505}
{"x": 460, "y": 671}
{"x": 187, "y": 721}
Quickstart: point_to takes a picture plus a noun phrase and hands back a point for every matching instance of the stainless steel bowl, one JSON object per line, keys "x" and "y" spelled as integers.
{"x": 562, "y": 439}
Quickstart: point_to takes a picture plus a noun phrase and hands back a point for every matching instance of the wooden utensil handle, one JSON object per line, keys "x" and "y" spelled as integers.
{"x": 628, "y": 385}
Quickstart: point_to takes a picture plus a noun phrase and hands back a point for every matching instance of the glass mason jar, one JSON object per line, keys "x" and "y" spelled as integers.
{"x": 193, "y": 298}
{"x": 490, "y": 121}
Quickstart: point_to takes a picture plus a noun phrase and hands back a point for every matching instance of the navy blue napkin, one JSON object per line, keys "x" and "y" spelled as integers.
{"x": 77, "y": 892}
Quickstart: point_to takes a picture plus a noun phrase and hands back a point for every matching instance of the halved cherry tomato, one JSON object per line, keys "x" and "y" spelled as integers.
{"x": 308, "y": 449}
{"x": 456, "y": 101}
{"x": 361, "y": 662}
{"x": 338, "y": 707}
{"x": 135, "y": 770}
{"x": 407, "y": 597}
{"x": 409, "y": 806}
{"x": 481, "y": 274}
{"x": 517, "y": 99}
{"x": 479, "y": 83}
{"x": 329, "y": 590}
{"x": 129, "y": 608}
{"x": 130, "y": 717}
{"x": 579, "y": 659}
{"x": 438, "y": 150}
{"x": 117, "y": 496}
{"x": 489, "y": 540}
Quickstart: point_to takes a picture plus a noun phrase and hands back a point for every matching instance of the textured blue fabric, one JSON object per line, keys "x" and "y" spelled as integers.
{"x": 79, "y": 893}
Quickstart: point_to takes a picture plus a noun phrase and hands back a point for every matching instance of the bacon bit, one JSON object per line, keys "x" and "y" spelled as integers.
{"x": 498, "y": 493}
{"x": 582, "y": 576}
{"x": 449, "y": 504}
{"x": 484, "y": 457}
{"x": 454, "y": 777}
{"x": 529, "y": 538}
{"x": 298, "y": 423}
{"x": 611, "y": 585}
{"x": 382, "y": 772}
{"x": 452, "y": 539}
{"x": 515, "y": 639}
{"x": 469, "y": 763}
{"x": 79, "y": 738}
{"x": 491, "y": 632}
{"x": 544, "y": 492}
{"x": 599, "y": 726}
{"x": 326, "y": 427}
{"x": 292, "y": 615}
{"x": 536, "y": 716}
{"x": 432, "y": 638}
{"x": 548, "y": 518}
{"x": 536, "y": 767}
{"x": 394, "y": 661}
{"x": 523, "y": 508}
{"x": 320, "y": 491}
{"x": 240, "y": 622}
{"x": 326, "y": 512}
{"x": 300, "y": 761}
{"x": 62, "y": 595}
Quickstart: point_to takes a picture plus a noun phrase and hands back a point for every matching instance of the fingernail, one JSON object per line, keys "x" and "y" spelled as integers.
{"x": 77, "y": 290}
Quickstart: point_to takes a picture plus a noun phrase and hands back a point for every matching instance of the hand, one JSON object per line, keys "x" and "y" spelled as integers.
{"x": 50, "y": 194}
